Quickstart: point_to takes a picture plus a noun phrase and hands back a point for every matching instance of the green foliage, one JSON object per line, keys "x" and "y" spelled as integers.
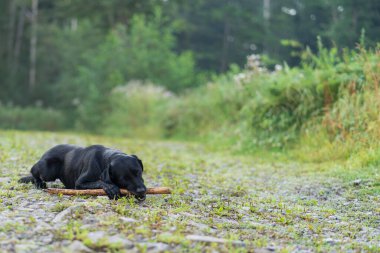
{"x": 282, "y": 103}
{"x": 322, "y": 95}
{"x": 149, "y": 54}
{"x": 330, "y": 98}
{"x": 170, "y": 43}
{"x": 34, "y": 118}
{"x": 67, "y": 90}
{"x": 142, "y": 52}
{"x": 136, "y": 110}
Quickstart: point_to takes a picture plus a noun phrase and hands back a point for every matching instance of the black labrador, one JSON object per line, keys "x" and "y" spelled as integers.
{"x": 92, "y": 167}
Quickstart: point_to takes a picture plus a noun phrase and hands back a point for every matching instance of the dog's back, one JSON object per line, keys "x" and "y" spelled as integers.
{"x": 58, "y": 152}
{"x": 54, "y": 156}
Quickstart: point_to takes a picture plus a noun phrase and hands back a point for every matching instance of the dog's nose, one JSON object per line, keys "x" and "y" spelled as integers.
{"x": 141, "y": 190}
{"x": 141, "y": 193}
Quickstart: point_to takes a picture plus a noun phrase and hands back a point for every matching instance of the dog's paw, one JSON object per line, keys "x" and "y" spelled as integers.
{"x": 113, "y": 192}
{"x": 41, "y": 185}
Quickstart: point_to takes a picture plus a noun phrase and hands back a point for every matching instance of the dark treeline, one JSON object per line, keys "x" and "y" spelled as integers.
{"x": 66, "y": 53}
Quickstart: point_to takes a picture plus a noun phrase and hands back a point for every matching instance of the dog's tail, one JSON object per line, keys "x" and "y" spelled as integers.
{"x": 27, "y": 179}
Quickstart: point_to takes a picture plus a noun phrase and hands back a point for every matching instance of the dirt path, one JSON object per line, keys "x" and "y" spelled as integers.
{"x": 221, "y": 202}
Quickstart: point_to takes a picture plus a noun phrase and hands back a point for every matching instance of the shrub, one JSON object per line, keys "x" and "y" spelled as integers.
{"x": 136, "y": 110}
{"x": 332, "y": 100}
{"x": 331, "y": 95}
{"x": 31, "y": 118}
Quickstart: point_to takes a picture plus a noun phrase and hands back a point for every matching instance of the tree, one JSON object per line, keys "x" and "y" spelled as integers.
{"x": 217, "y": 33}
{"x": 33, "y": 45}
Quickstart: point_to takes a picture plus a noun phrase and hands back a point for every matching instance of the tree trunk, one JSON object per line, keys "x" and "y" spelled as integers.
{"x": 11, "y": 31}
{"x": 226, "y": 35}
{"x": 20, "y": 32}
{"x": 33, "y": 47}
{"x": 266, "y": 16}
{"x": 354, "y": 20}
{"x": 266, "y": 10}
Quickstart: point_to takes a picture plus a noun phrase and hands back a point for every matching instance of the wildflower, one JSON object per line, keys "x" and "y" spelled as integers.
{"x": 277, "y": 67}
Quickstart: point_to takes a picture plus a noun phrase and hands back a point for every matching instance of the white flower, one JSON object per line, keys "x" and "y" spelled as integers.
{"x": 277, "y": 67}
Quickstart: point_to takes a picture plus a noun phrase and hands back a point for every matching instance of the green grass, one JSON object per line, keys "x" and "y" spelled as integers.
{"x": 266, "y": 201}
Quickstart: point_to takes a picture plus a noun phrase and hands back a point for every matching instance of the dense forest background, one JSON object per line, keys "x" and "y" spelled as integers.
{"x": 48, "y": 47}
{"x": 255, "y": 72}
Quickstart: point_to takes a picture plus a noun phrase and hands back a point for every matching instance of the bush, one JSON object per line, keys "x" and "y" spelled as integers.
{"x": 136, "y": 110}
{"x": 327, "y": 110}
{"x": 31, "y": 118}
{"x": 330, "y": 98}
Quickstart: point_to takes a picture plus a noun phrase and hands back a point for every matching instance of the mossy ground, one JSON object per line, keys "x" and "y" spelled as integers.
{"x": 255, "y": 204}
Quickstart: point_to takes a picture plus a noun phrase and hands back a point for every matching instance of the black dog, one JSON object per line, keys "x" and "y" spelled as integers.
{"x": 90, "y": 168}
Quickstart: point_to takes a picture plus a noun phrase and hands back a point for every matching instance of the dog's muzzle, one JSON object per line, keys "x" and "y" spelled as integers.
{"x": 140, "y": 197}
{"x": 141, "y": 194}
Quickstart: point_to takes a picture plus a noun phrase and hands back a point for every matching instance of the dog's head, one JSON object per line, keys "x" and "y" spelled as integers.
{"x": 126, "y": 172}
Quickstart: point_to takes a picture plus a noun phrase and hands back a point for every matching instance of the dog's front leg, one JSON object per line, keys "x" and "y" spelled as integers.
{"x": 38, "y": 182}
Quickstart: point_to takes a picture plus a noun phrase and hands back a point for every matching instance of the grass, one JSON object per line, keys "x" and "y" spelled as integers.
{"x": 270, "y": 201}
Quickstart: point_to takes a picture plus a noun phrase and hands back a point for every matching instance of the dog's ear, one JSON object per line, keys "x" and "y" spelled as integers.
{"x": 107, "y": 173}
{"x": 139, "y": 161}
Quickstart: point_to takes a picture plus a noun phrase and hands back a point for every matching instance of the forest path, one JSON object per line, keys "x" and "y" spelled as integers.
{"x": 220, "y": 202}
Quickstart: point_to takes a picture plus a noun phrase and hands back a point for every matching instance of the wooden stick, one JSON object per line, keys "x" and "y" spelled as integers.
{"x": 101, "y": 192}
